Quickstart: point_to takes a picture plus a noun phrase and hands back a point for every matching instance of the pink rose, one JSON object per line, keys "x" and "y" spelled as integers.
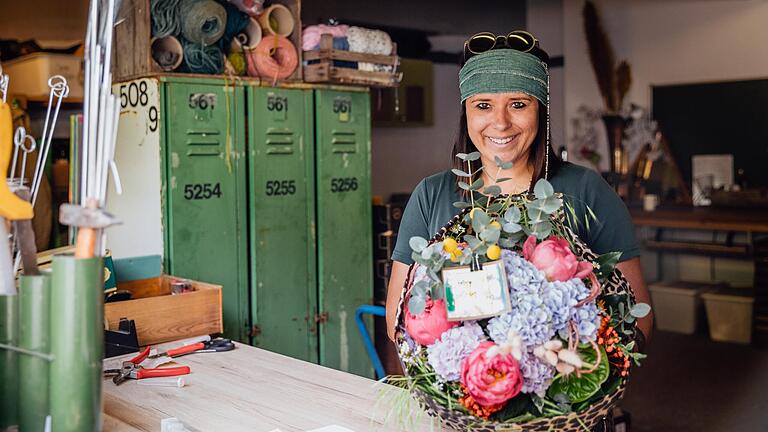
{"x": 428, "y": 326}
{"x": 554, "y": 257}
{"x": 491, "y": 381}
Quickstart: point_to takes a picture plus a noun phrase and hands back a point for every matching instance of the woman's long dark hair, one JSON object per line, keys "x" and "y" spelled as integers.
{"x": 538, "y": 150}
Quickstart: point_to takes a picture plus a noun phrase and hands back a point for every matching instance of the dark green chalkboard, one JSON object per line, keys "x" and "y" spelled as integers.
{"x": 717, "y": 118}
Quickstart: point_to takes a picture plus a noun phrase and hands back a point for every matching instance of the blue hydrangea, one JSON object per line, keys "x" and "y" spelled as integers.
{"x": 537, "y": 375}
{"x": 446, "y": 354}
{"x": 542, "y": 309}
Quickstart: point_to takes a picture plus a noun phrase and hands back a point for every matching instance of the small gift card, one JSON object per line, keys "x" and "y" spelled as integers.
{"x": 477, "y": 294}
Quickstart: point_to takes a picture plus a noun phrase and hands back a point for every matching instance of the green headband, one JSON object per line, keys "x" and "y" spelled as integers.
{"x": 502, "y": 71}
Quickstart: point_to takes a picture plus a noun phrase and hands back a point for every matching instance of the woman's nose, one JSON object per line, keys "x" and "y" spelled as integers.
{"x": 501, "y": 119}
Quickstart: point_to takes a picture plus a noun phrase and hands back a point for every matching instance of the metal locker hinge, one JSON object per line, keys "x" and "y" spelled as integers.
{"x": 255, "y": 331}
{"x": 321, "y": 317}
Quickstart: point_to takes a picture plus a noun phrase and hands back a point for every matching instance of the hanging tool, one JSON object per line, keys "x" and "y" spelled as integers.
{"x": 132, "y": 369}
{"x": 25, "y": 237}
{"x": 59, "y": 90}
{"x": 215, "y": 345}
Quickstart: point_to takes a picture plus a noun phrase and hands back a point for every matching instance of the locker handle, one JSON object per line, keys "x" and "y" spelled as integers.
{"x": 338, "y": 132}
{"x": 343, "y": 141}
{"x": 203, "y": 132}
{"x": 202, "y": 143}
{"x": 279, "y": 131}
{"x": 279, "y": 141}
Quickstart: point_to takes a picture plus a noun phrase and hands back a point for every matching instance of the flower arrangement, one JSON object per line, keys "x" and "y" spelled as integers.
{"x": 558, "y": 354}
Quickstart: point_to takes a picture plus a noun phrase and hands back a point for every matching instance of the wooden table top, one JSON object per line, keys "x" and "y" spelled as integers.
{"x": 250, "y": 389}
{"x": 704, "y": 218}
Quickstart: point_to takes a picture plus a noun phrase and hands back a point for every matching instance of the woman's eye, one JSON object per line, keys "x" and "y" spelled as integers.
{"x": 518, "y": 105}
{"x": 483, "y": 106}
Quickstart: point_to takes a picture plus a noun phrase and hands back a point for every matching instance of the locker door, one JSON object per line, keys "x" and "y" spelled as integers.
{"x": 344, "y": 229}
{"x": 205, "y": 191}
{"x": 281, "y": 199}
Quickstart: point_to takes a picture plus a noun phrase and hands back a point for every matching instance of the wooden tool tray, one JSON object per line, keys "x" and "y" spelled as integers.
{"x": 326, "y": 72}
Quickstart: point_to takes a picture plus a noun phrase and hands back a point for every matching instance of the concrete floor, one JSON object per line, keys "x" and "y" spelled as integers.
{"x": 690, "y": 383}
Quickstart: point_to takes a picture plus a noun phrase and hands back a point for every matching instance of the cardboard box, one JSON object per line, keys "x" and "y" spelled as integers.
{"x": 163, "y": 317}
{"x": 29, "y": 74}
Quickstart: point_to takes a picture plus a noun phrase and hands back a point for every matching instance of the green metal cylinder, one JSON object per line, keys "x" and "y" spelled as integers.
{"x": 9, "y": 377}
{"x": 77, "y": 343}
{"x": 34, "y": 329}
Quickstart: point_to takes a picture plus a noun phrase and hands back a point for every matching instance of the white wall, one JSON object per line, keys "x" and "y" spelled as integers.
{"x": 401, "y": 157}
{"x": 667, "y": 42}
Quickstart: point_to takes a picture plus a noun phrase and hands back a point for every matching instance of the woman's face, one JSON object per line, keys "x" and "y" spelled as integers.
{"x": 503, "y": 125}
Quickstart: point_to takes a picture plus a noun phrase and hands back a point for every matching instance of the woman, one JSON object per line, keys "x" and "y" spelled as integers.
{"x": 504, "y": 84}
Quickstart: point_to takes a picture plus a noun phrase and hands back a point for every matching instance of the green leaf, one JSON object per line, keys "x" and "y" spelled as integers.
{"x": 490, "y": 234}
{"x": 551, "y": 204}
{"x": 542, "y": 230}
{"x": 543, "y": 189}
{"x": 496, "y": 207}
{"x": 418, "y": 243}
{"x": 503, "y": 179}
{"x": 511, "y": 227}
{"x": 416, "y": 304}
{"x": 536, "y": 215}
{"x": 462, "y": 205}
{"x": 480, "y": 220}
{"x": 640, "y": 310}
{"x": 512, "y": 215}
{"x": 473, "y": 156}
{"x": 472, "y": 241}
{"x": 517, "y": 406}
{"x": 506, "y": 243}
{"x": 460, "y": 173}
{"x": 437, "y": 291}
{"x": 477, "y": 185}
{"x": 462, "y": 156}
{"x": 420, "y": 288}
{"x": 427, "y": 253}
{"x": 607, "y": 263}
{"x": 492, "y": 191}
{"x": 464, "y": 186}
{"x": 507, "y": 165}
{"x": 498, "y": 161}
{"x": 579, "y": 389}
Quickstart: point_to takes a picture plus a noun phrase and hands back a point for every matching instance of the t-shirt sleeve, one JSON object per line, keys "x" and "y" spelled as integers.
{"x": 607, "y": 225}
{"x": 415, "y": 222}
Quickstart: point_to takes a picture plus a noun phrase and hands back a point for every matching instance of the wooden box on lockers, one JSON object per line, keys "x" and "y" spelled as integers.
{"x": 133, "y": 35}
{"x": 162, "y": 317}
{"x": 326, "y": 72}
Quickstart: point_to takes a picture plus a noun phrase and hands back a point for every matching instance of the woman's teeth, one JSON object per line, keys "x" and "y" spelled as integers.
{"x": 500, "y": 140}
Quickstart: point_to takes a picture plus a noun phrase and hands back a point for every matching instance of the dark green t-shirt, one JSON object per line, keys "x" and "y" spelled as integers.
{"x": 431, "y": 207}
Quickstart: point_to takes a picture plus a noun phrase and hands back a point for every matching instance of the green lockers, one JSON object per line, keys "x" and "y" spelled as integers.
{"x": 282, "y": 219}
{"x": 205, "y": 174}
{"x": 344, "y": 232}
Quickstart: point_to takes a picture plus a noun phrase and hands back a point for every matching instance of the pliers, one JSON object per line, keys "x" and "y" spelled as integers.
{"x": 132, "y": 369}
{"x": 214, "y": 345}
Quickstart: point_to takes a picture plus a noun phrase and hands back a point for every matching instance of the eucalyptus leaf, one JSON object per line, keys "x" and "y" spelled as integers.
{"x": 473, "y": 156}
{"x": 462, "y": 205}
{"x": 416, "y": 305}
{"x": 477, "y": 185}
{"x": 420, "y": 288}
{"x": 506, "y": 243}
{"x": 507, "y": 165}
{"x": 418, "y": 243}
{"x": 427, "y": 253}
{"x": 542, "y": 230}
{"x": 498, "y": 161}
{"x": 492, "y": 190}
{"x": 503, "y": 179}
{"x": 464, "y": 185}
{"x": 551, "y": 204}
{"x": 437, "y": 291}
{"x": 512, "y": 215}
{"x": 490, "y": 234}
{"x": 472, "y": 241}
{"x": 536, "y": 215}
{"x": 581, "y": 388}
{"x": 496, "y": 207}
{"x": 460, "y": 173}
{"x": 543, "y": 189}
{"x": 511, "y": 227}
{"x": 640, "y": 310}
{"x": 480, "y": 220}
{"x": 462, "y": 156}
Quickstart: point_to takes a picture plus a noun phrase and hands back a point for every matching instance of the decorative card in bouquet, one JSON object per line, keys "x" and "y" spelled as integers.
{"x": 508, "y": 321}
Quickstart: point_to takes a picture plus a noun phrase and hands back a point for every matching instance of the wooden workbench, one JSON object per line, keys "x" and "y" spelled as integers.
{"x": 704, "y": 218}
{"x": 250, "y": 389}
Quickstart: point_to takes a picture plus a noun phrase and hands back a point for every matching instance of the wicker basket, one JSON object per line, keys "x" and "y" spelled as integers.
{"x": 582, "y": 421}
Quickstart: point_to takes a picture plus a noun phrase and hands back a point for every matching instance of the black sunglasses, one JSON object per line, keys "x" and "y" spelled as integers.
{"x": 518, "y": 40}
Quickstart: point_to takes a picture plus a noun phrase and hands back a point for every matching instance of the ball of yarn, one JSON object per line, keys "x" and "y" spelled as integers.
{"x": 237, "y": 61}
{"x": 203, "y": 22}
{"x": 165, "y": 18}
{"x": 274, "y": 57}
{"x": 205, "y": 60}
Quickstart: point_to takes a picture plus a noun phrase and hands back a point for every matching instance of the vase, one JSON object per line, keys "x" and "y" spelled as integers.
{"x": 614, "y": 126}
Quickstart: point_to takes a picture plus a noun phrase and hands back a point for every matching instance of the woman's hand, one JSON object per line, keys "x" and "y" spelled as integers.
{"x": 634, "y": 274}
{"x": 394, "y": 289}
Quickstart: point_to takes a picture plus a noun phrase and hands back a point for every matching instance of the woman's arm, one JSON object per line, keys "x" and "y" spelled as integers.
{"x": 394, "y": 289}
{"x": 634, "y": 274}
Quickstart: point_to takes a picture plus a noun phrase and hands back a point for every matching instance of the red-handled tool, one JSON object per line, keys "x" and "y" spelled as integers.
{"x": 133, "y": 370}
{"x": 214, "y": 345}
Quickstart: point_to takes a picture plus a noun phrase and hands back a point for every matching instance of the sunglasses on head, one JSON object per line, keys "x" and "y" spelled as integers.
{"x": 518, "y": 40}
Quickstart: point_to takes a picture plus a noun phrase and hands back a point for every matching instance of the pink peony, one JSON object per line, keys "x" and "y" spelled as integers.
{"x": 554, "y": 257}
{"x": 428, "y": 326}
{"x": 491, "y": 381}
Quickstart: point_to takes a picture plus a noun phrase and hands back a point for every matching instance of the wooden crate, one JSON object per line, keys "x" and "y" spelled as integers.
{"x": 326, "y": 72}
{"x": 133, "y": 33}
{"x": 162, "y": 317}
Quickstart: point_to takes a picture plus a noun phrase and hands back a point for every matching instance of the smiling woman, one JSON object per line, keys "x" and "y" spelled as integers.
{"x": 504, "y": 84}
